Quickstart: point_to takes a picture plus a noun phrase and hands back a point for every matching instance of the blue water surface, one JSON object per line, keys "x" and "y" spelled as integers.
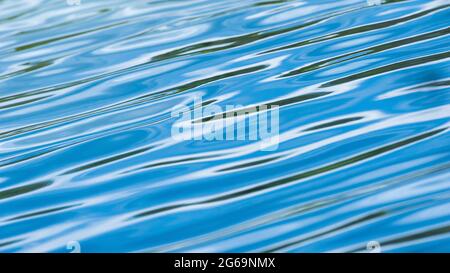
{"x": 86, "y": 153}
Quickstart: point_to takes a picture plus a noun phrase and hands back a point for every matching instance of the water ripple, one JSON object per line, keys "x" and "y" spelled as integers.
{"x": 86, "y": 152}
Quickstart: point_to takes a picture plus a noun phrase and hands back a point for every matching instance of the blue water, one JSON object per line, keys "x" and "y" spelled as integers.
{"x": 86, "y": 152}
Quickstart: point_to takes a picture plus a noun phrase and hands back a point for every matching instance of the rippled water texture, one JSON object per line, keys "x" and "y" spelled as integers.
{"x": 86, "y": 152}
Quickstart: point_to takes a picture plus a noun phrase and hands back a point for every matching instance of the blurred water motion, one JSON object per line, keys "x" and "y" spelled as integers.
{"x": 86, "y": 155}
